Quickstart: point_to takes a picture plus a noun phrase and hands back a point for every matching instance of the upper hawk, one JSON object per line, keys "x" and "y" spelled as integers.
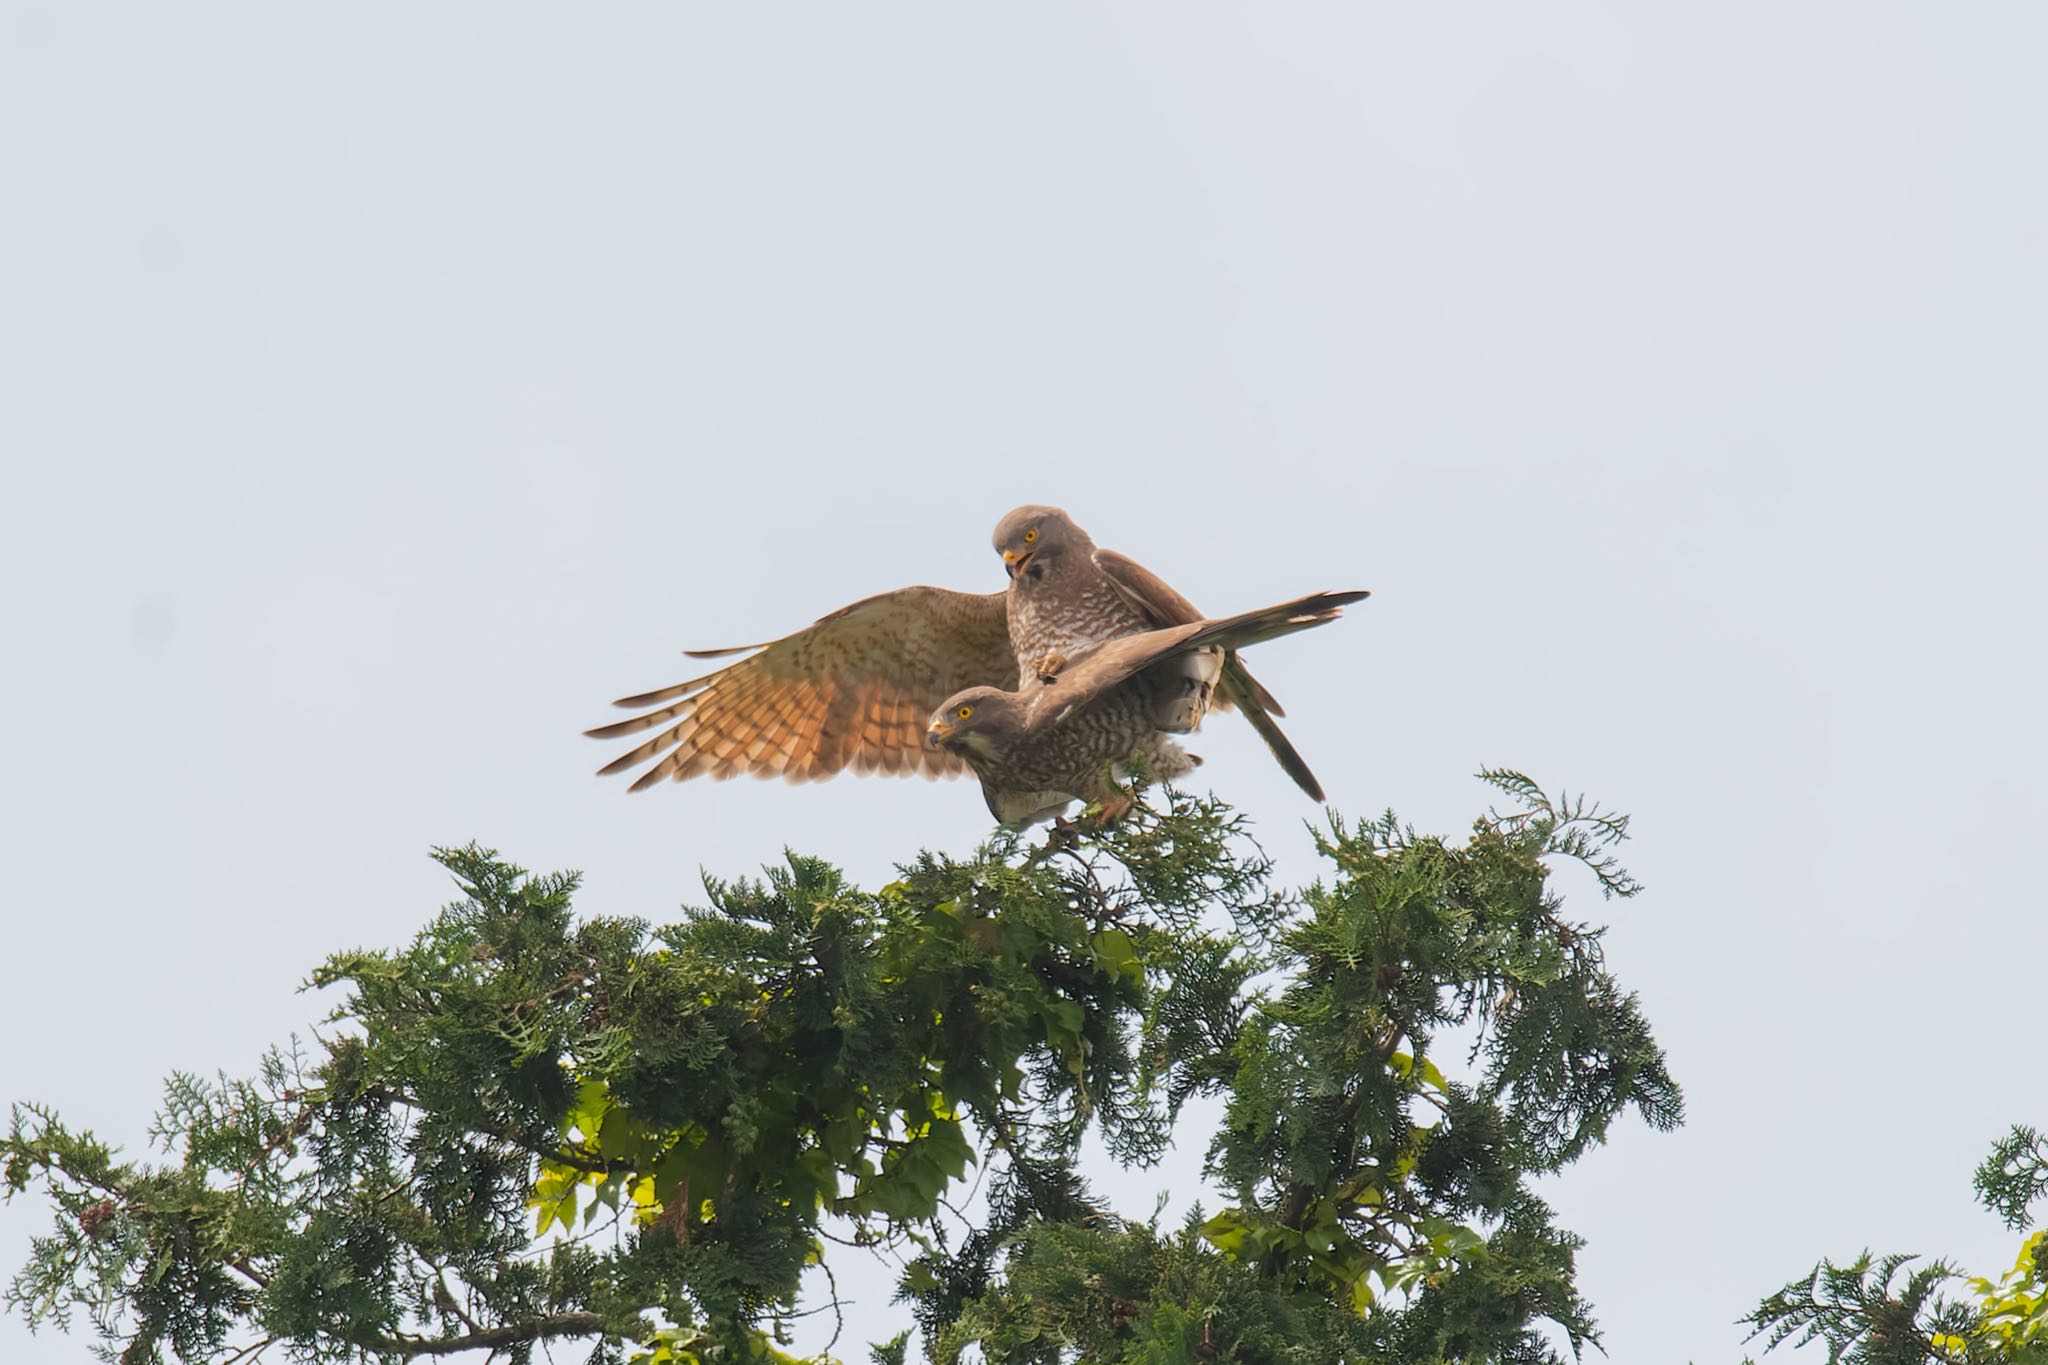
{"x": 1067, "y": 594}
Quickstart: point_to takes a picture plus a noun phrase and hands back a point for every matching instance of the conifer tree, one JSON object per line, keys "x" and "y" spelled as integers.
{"x": 1888, "y": 1310}
{"x": 527, "y": 1129}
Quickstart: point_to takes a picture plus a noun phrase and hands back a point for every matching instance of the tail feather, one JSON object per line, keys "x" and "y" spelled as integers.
{"x": 1259, "y": 694}
{"x": 1270, "y": 623}
{"x": 1266, "y": 700}
{"x": 1239, "y": 688}
{"x": 1244, "y": 691}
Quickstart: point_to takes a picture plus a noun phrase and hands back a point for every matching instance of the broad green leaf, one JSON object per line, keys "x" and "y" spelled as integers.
{"x": 1226, "y": 1232}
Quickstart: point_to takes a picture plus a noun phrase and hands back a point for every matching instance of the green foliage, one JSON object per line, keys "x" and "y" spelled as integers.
{"x": 524, "y": 1127}
{"x": 1867, "y": 1312}
{"x": 1881, "y": 1312}
{"x": 2012, "y": 1312}
{"x": 2014, "y": 1175}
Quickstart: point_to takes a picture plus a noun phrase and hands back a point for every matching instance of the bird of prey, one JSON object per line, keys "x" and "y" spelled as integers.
{"x": 1073, "y": 735}
{"x": 1066, "y": 594}
{"x": 853, "y": 691}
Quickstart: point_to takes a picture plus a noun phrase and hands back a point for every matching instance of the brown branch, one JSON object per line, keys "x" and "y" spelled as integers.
{"x": 838, "y": 1314}
{"x": 490, "y": 1339}
{"x": 252, "y": 1352}
{"x": 448, "y": 1298}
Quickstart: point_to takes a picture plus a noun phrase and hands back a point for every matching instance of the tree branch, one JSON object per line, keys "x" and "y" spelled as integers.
{"x": 490, "y": 1339}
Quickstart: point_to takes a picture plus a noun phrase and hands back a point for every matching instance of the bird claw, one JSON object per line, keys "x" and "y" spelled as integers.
{"x": 1110, "y": 810}
{"x": 1062, "y": 834}
{"x": 1048, "y": 668}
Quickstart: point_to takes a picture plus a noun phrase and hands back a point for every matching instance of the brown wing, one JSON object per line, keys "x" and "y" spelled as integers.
{"x": 1145, "y": 590}
{"x": 1155, "y": 597}
{"x": 1112, "y": 662}
{"x": 852, "y": 691}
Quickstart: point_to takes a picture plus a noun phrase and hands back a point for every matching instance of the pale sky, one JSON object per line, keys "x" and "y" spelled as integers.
{"x": 383, "y": 388}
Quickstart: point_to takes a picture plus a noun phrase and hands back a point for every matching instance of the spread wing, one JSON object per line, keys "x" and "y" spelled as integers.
{"x": 1112, "y": 662}
{"x": 1155, "y": 597}
{"x": 1145, "y": 590}
{"x": 852, "y": 691}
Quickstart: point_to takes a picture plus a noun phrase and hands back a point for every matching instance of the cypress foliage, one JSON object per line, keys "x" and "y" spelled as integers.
{"x": 527, "y": 1129}
{"x": 1888, "y": 1311}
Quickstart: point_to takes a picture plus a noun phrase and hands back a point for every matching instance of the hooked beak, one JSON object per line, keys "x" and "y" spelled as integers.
{"x": 1014, "y": 563}
{"x": 939, "y": 733}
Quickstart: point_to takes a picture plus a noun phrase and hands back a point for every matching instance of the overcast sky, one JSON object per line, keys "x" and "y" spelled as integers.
{"x": 383, "y": 388}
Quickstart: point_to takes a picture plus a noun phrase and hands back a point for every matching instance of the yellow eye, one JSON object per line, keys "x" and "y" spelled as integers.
{"x": 1030, "y": 535}
{"x": 964, "y": 712}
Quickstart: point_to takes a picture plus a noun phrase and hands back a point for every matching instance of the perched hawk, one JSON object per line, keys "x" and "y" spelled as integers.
{"x": 1071, "y": 736}
{"x": 854, "y": 690}
{"x": 1066, "y": 594}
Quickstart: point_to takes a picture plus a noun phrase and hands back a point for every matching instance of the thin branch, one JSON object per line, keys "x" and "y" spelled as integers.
{"x": 448, "y": 1295}
{"x": 837, "y": 1316}
{"x": 492, "y": 1339}
{"x": 250, "y": 1353}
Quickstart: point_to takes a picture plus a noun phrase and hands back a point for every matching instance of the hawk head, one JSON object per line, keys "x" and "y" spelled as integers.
{"x": 976, "y": 724}
{"x": 1033, "y": 537}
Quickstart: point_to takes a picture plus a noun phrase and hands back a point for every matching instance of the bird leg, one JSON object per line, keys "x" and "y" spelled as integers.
{"x": 1048, "y": 668}
{"x": 1110, "y": 809}
{"x": 1181, "y": 710}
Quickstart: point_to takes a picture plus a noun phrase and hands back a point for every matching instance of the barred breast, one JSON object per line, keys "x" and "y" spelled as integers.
{"x": 1103, "y": 738}
{"x": 1055, "y": 617}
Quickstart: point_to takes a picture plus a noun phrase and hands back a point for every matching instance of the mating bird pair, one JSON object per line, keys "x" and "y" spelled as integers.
{"x": 1075, "y": 676}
